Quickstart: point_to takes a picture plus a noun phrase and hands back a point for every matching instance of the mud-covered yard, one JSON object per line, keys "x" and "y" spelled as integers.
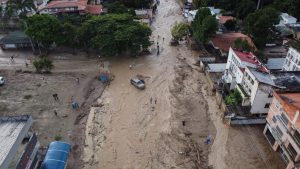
{"x": 26, "y": 92}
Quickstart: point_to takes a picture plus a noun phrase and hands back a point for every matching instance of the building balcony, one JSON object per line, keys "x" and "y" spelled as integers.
{"x": 245, "y": 96}
{"x": 294, "y": 140}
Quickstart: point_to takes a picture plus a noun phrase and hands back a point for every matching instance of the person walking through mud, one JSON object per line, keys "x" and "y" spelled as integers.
{"x": 12, "y": 60}
{"x": 55, "y": 96}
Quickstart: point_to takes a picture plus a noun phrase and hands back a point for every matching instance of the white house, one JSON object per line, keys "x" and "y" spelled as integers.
{"x": 190, "y": 15}
{"x": 236, "y": 63}
{"x": 292, "y": 60}
{"x": 256, "y": 90}
{"x": 257, "y": 87}
{"x": 287, "y": 19}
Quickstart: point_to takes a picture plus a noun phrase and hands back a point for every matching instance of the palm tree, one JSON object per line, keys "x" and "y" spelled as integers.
{"x": 19, "y": 7}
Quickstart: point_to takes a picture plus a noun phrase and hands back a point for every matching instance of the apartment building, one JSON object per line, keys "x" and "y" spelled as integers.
{"x": 292, "y": 60}
{"x": 283, "y": 127}
{"x": 236, "y": 63}
{"x": 257, "y": 87}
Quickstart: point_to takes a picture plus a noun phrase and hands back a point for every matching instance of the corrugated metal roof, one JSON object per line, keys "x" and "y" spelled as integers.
{"x": 57, "y": 155}
{"x": 15, "y": 38}
{"x": 275, "y": 63}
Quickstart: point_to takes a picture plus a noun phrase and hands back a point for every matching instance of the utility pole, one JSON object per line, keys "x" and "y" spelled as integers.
{"x": 258, "y": 4}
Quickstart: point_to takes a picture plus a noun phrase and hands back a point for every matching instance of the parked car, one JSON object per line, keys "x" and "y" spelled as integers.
{"x": 1, "y": 80}
{"x": 140, "y": 84}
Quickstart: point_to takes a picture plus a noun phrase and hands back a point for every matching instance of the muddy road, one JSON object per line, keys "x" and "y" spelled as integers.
{"x": 166, "y": 125}
{"x": 144, "y": 129}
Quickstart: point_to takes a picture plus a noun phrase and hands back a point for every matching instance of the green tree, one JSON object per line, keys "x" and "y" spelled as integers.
{"x": 261, "y": 56}
{"x": 19, "y": 7}
{"x": 209, "y": 28}
{"x": 71, "y": 36}
{"x": 200, "y": 15}
{"x": 116, "y": 7}
{"x": 45, "y": 29}
{"x": 114, "y": 34}
{"x": 43, "y": 64}
{"x": 244, "y": 8}
{"x": 230, "y": 24}
{"x": 234, "y": 98}
{"x": 242, "y": 45}
{"x": 197, "y": 25}
{"x": 200, "y": 3}
{"x": 290, "y": 6}
{"x": 180, "y": 30}
{"x": 204, "y": 25}
{"x": 258, "y": 25}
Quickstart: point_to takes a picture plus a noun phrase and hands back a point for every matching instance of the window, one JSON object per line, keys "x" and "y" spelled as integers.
{"x": 284, "y": 119}
{"x": 267, "y": 105}
{"x": 280, "y": 134}
{"x": 274, "y": 119}
{"x": 297, "y": 137}
{"x": 294, "y": 67}
{"x": 292, "y": 151}
{"x": 252, "y": 81}
{"x": 270, "y": 95}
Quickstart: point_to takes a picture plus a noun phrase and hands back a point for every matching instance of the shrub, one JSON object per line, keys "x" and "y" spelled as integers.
{"x": 233, "y": 98}
{"x": 180, "y": 30}
{"x": 43, "y": 64}
{"x": 57, "y": 138}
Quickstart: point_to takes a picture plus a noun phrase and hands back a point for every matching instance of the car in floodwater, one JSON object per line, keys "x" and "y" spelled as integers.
{"x": 1, "y": 80}
{"x": 140, "y": 84}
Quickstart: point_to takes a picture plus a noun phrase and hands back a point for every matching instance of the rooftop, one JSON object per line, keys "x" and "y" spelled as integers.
{"x": 81, "y": 5}
{"x": 223, "y": 19}
{"x": 250, "y": 58}
{"x": 291, "y": 104}
{"x": 226, "y": 40}
{"x": 275, "y": 63}
{"x": 262, "y": 77}
{"x": 15, "y": 37}
{"x": 11, "y": 128}
{"x": 286, "y": 81}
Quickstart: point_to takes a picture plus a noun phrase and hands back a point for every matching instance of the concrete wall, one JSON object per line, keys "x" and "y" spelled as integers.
{"x": 218, "y": 95}
{"x": 292, "y": 60}
{"x": 261, "y": 98}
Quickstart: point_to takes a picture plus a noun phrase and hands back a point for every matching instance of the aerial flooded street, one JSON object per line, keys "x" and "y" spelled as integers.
{"x": 119, "y": 126}
{"x": 143, "y": 129}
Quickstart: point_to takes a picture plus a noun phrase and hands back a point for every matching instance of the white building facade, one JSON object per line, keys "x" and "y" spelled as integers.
{"x": 258, "y": 92}
{"x": 236, "y": 64}
{"x": 292, "y": 60}
{"x": 285, "y": 19}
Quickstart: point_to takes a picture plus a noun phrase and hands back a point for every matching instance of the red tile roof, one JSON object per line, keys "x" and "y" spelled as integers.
{"x": 291, "y": 104}
{"x": 250, "y": 58}
{"x": 94, "y": 9}
{"x": 226, "y": 40}
{"x": 81, "y": 5}
{"x": 223, "y": 19}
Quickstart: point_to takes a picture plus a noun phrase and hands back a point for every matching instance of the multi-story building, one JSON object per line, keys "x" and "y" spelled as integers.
{"x": 14, "y": 151}
{"x": 236, "y": 63}
{"x": 283, "y": 127}
{"x": 257, "y": 87}
{"x": 285, "y": 18}
{"x": 292, "y": 60}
